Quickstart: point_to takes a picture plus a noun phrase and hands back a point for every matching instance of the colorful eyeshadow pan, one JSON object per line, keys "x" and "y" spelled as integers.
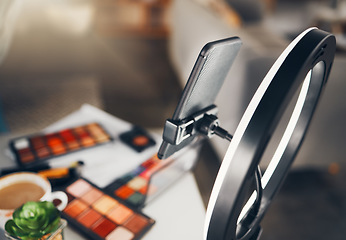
{"x": 136, "y": 223}
{"x": 104, "y": 204}
{"x": 75, "y": 208}
{"x": 79, "y": 188}
{"x": 120, "y": 214}
{"x": 99, "y": 216}
{"x": 89, "y": 217}
{"x": 137, "y": 139}
{"x": 34, "y": 149}
{"x": 91, "y": 196}
{"x": 120, "y": 233}
{"x": 133, "y": 186}
{"x": 103, "y": 227}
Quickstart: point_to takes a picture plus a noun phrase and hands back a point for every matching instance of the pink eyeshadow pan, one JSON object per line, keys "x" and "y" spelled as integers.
{"x": 120, "y": 233}
{"x": 79, "y": 188}
{"x": 91, "y": 196}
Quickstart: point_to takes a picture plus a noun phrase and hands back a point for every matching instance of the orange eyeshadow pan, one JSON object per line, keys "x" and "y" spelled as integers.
{"x": 120, "y": 214}
{"x": 124, "y": 192}
{"x": 75, "y": 208}
{"x": 140, "y": 140}
{"x": 89, "y": 217}
{"x": 136, "y": 223}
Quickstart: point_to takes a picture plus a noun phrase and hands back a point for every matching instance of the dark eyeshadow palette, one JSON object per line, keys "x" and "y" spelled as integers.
{"x": 33, "y": 149}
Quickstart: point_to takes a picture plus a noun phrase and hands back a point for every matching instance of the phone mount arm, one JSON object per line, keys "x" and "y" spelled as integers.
{"x": 204, "y": 122}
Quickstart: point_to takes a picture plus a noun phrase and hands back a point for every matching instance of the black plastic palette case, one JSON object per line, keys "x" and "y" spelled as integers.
{"x": 99, "y": 216}
{"x": 33, "y": 149}
{"x": 138, "y": 139}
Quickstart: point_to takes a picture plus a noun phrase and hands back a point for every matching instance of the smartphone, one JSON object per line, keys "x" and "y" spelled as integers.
{"x": 205, "y": 81}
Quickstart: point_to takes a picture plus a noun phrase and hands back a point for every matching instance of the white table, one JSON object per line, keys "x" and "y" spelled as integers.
{"x": 178, "y": 211}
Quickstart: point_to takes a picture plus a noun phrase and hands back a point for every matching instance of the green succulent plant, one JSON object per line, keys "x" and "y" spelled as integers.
{"x": 33, "y": 220}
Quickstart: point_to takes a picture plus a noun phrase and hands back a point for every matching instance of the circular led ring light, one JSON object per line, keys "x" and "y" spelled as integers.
{"x": 304, "y": 64}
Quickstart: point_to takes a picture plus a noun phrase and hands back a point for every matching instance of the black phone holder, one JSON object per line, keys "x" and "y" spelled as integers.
{"x": 204, "y": 123}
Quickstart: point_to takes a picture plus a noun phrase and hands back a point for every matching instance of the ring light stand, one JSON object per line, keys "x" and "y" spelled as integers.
{"x": 303, "y": 67}
{"x": 307, "y": 61}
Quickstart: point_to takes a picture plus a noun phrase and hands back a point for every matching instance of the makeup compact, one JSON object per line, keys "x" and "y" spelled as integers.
{"x": 138, "y": 139}
{"x": 34, "y": 149}
{"x": 97, "y": 215}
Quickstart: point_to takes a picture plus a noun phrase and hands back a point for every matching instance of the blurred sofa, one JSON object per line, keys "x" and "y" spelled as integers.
{"x": 196, "y": 22}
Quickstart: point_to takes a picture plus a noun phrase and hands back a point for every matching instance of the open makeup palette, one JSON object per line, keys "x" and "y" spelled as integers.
{"x": 32, "y": 150}
{"x": 100, "y": 216}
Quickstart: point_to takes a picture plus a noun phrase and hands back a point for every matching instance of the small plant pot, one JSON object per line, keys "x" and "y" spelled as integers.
{"x": 57, "y": 235}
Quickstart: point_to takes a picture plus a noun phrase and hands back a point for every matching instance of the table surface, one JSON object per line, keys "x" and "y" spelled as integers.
{"x": 178, "y": 211}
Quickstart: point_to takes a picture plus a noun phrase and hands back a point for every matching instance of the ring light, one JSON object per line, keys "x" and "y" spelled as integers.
{"x": 305, "y": 64}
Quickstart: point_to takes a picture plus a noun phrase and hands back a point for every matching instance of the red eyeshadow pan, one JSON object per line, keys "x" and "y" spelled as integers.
{"x": 55, "y": 144}
{"x": 69, "y": 139}
{"x": 103, "y": 227}
{"x": 67, "y": 134}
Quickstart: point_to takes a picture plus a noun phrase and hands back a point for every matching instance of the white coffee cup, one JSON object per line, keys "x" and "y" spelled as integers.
{"x": 28, "y": 177}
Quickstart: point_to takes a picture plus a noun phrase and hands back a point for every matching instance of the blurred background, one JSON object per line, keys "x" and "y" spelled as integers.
{"x": 132, "y": 58}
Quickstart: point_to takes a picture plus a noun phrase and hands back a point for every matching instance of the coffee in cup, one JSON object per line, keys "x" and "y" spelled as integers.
{"x": 19, "y": 188}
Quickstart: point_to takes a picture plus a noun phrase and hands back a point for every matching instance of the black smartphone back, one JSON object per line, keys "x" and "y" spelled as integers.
{"x": 204, "y": 83}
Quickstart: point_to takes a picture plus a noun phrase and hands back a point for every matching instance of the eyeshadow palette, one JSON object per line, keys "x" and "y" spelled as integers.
{"x": 133, "y": 187}
{"x": 100, "y": 216}
{"x": 34, "y": 149}
{"x": 138, "y": 139}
